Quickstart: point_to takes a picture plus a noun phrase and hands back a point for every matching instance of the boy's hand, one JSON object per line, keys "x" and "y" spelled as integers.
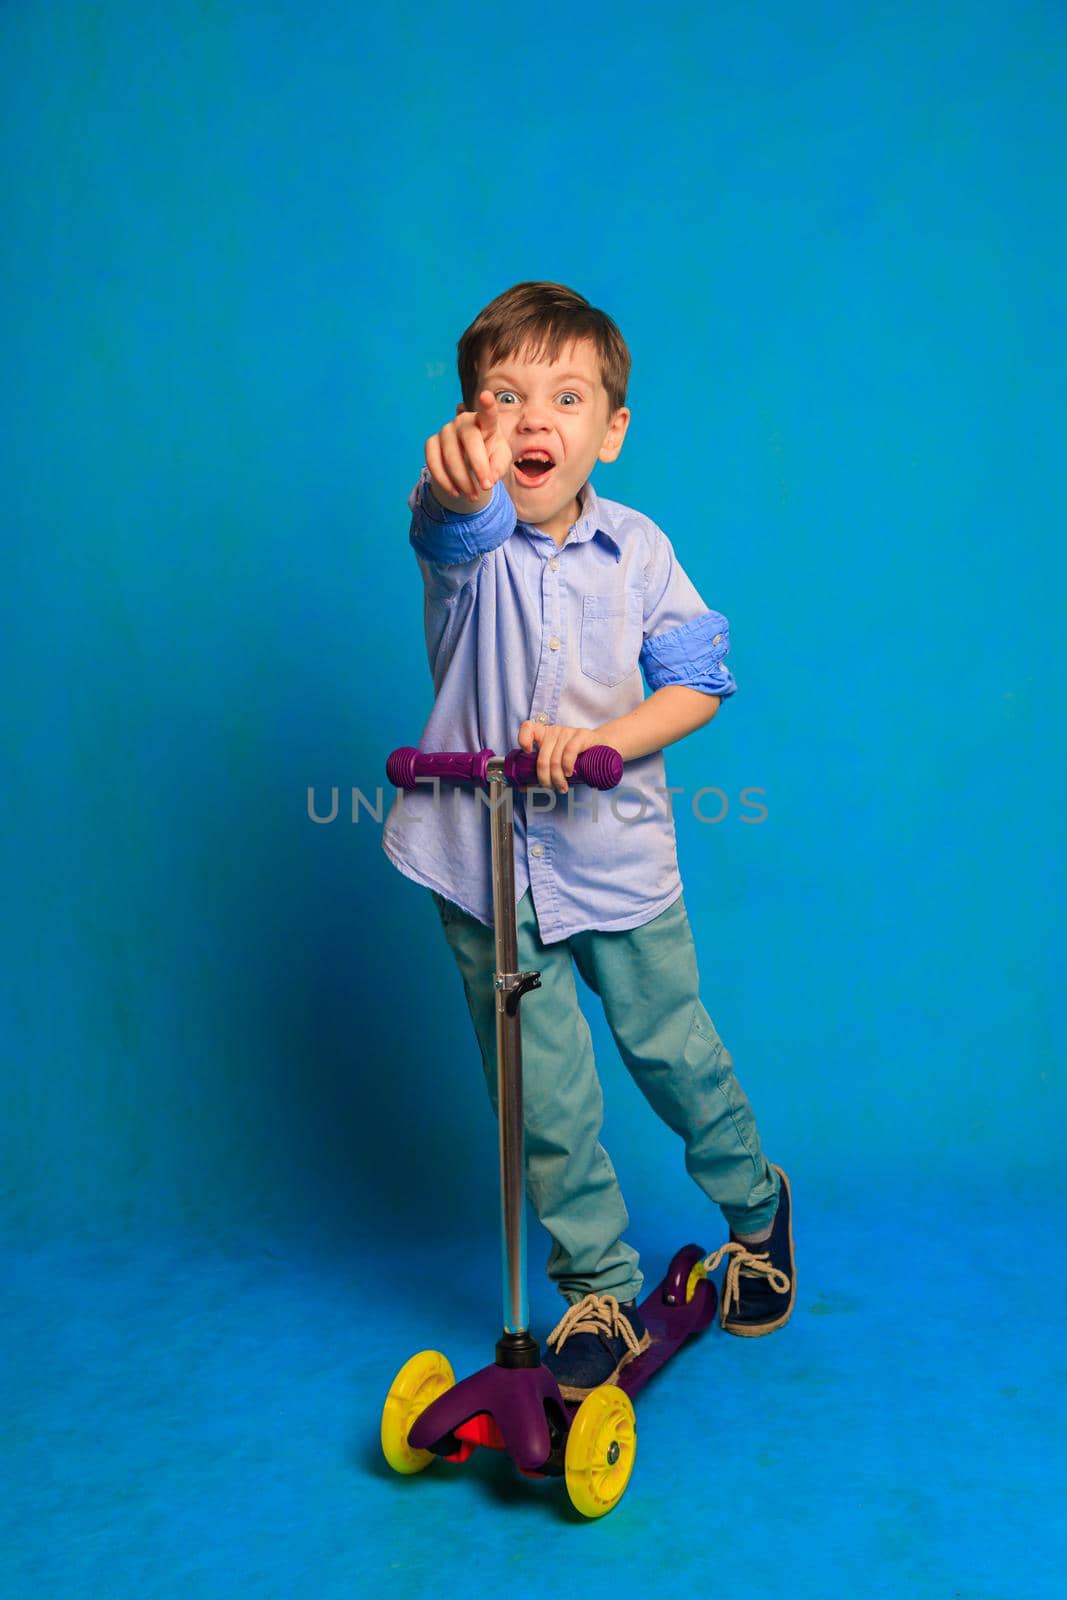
{"x": 558, "y": 749}
{"x": 468, "y": 455}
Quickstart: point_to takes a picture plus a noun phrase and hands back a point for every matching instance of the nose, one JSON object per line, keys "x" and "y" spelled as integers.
{"x": 533, "y": 417}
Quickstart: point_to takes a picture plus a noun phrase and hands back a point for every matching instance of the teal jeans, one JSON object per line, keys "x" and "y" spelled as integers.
{"x": 647, "y": 981}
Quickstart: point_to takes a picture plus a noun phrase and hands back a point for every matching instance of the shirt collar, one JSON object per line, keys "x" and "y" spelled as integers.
{"x": 592, "y": 522}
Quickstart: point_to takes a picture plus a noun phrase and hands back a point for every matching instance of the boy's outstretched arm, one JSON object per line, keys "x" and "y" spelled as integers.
{"x": 453, "y": 528}
{"x": 666, "y": 716}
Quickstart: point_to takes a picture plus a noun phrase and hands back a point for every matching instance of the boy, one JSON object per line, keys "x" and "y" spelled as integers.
{"x": 542, "y": 601}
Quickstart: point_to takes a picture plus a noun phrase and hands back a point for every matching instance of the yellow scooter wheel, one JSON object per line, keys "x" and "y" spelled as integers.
{"x": 601, "y": 1447}
{"x": 415, "y": 1387}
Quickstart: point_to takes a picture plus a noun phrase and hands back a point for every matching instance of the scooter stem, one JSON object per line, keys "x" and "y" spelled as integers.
{"x": 509, "y": 986}
{"x": 602, "y": 767}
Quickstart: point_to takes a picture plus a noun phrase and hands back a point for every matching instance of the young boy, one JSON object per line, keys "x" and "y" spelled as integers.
{"x": 543, "y": 605}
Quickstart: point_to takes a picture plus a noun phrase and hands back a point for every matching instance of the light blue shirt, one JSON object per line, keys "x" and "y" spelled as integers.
{"x": 519, "y": 628}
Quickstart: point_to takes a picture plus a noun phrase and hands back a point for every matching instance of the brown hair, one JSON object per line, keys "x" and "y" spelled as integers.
{"x": 541, "y": 318}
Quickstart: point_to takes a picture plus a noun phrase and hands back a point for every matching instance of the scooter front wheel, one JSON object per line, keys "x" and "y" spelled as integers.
{"x": 416, "y": 1386}
{"x": 601, "y": 1447}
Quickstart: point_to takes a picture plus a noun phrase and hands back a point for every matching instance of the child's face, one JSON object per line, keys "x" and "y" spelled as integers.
{"x": 559, "y": 409}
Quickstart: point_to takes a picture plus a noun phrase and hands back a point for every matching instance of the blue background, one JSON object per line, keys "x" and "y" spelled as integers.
{"x": 246, "y": 1157}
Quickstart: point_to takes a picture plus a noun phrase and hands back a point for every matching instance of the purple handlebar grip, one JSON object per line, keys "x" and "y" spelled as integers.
{"x": 600, "y": 766}
{"x": 406, "y": 765}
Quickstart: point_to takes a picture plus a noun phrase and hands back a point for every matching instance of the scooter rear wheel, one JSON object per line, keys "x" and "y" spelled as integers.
{"x": 601, "y": 1448}
{"x": 416, "y": 1386}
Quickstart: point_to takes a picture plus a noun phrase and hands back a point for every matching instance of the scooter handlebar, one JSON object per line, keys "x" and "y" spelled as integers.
{"x": 600, "y": 766}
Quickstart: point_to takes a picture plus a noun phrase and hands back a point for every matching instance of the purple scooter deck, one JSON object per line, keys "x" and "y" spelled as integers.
{"x": 515, "y": 1398}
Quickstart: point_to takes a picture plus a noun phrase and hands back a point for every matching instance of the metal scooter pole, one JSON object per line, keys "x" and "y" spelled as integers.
{"x": 601, "y": 766}
{"x": 516, "y": 1347}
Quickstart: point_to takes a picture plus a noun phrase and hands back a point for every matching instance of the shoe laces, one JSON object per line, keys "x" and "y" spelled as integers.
{"x": 753, "y": 1265}
{"x": 596, "y": 1313}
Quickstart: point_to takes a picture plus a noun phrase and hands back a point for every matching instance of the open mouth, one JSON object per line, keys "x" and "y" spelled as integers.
{"x": 533, "y": 467}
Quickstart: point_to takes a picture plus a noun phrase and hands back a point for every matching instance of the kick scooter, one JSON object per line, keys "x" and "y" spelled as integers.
{"x": 515, "y": 1405}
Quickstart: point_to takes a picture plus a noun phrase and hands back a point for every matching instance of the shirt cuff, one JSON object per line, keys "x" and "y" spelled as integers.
{"x": 453, "y": 536}
{"x": 691, "y": 655}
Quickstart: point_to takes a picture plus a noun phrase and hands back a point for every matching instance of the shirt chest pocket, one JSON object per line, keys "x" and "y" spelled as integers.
{"x": 612, "y": 635}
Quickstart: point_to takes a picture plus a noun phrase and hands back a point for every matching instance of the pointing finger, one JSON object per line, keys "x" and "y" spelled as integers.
{"x": 487, "y": 411}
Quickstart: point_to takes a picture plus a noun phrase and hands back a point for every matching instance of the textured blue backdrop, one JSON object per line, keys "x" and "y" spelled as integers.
{"x": 240, "y": 248}
{"x": 239, "y": 245}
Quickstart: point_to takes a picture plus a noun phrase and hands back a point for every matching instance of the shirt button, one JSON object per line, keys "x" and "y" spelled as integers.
{"x": 553, "y": 644}
{"x": 554, "y": 563}
{"x": 542, "y": 716}
{"x": 537, "y": 849}
{"x": 716, "y": 639}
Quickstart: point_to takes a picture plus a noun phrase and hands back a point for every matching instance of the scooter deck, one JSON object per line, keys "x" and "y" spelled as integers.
{"x": 506, "y": 1408}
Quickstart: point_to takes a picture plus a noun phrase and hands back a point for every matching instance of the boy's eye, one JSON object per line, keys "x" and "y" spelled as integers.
{"x": 506, "y": 396}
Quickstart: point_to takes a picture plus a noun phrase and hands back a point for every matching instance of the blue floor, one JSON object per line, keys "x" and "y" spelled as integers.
{"x": 197, "y": 1418}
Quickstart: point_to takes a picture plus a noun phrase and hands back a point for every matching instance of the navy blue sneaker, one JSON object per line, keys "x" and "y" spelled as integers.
{"x": 760, "y": 1285}
{"x": 593, "y": 1341}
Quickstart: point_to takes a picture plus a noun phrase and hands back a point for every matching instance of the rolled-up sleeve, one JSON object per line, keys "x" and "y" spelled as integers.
{"x": 449, "y": 537}
{"x": 684, "y": 641}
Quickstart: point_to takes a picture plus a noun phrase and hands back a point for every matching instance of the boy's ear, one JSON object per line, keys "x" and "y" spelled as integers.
{"x": 615, "y": 435}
